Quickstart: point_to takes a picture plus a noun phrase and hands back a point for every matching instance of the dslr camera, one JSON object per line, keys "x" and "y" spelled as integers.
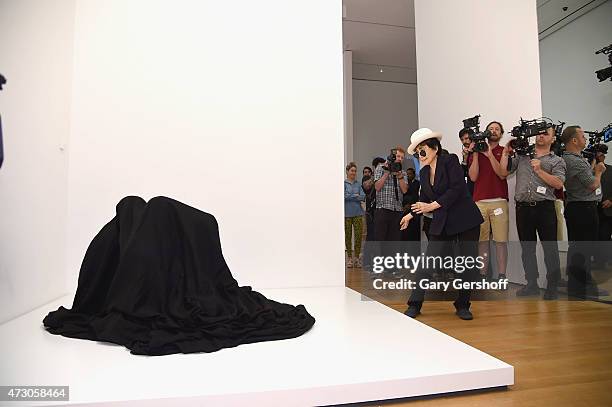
{"x": 480, "y": 139}
{"x": 392, "y": 166}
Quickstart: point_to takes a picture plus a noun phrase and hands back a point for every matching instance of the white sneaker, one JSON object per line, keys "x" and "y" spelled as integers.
{"x": 349, "y": 262}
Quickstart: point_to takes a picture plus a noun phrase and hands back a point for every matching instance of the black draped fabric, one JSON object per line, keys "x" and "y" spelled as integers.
{"x": 155, "y": 281}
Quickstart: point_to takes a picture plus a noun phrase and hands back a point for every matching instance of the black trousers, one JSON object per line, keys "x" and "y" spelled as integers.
{"x": 370, "y": 226}
{"x": 463, "y": 244}
{"x": 413, "y": 232}
{"x": 531, "y": 222}
{"x": 387, "y": 225}
{"x": 383, "y": 228}
{"x": 582, "y": 234}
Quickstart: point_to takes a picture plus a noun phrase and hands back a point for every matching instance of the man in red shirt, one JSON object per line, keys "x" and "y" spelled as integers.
{"x": 491, "y": 197}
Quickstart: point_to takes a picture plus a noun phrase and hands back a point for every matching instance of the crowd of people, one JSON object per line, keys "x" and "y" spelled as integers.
{"x": 465, "y": 201}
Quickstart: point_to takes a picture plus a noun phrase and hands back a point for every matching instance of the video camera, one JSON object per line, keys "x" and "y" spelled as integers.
{"x": 531, "y": 128}
{"x": 472, "y": 125}
{"x": 605, "y": 73}
{"x": 392, "y": 166}
{"x": 596, "y": 138}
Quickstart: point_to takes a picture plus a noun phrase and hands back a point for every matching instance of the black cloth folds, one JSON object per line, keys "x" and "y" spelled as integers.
{"x": 155, "y": 281}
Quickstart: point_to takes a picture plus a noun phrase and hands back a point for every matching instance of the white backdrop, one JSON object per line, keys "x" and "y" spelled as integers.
{"x": 385, "y": 116}
{"x": 570, "y": 89}
{"x": 232, "y": 107}
{"x": 478, "y": 57}
{"x": 36, "y": 58}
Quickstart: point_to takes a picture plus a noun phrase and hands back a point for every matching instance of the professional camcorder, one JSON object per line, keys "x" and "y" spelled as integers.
{"x": 392, "y": 166}
{"x": 597, "y": 140}
{"x": 531, "y": 128}
{"x": 605, "y": 73}
{"x": 472, "y": 124}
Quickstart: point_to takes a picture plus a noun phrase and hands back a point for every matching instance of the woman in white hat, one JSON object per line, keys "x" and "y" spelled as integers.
{"x": 450, "y": 215}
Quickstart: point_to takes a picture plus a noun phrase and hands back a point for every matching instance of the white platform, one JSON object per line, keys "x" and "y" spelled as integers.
{"x": 357, "y": 351}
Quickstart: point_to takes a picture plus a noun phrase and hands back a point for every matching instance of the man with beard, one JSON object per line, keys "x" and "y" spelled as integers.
{"x": 491, "y": 197}
{"x": 464, "y": 136}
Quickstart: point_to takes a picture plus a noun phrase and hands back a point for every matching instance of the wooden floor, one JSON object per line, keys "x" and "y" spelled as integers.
{"x": 561, "y": 350}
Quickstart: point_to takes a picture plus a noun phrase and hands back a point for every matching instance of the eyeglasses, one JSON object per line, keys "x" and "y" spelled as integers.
{"x": 421, "y": 153}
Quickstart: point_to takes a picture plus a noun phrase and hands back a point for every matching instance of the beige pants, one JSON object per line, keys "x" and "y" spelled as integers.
{"x": 496, "y": 220}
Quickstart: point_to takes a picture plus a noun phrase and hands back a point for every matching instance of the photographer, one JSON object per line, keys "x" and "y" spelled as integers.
{"x": 536, "y": 181}
{"x": 491, "y": 197}
{"x": 583, "y": 193}
{"x": 466, "y": 150}
{"x": 390, "y": 188}
{"x": 367, "y": 183}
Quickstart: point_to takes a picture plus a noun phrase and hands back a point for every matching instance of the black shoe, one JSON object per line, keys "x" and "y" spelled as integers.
{"x": 501, "y": 277}
{"x": 412, "y": 311}
{"x": 550, "y": 294}
{"x": 528, "y": 290}
{"x": 464, "y": 313}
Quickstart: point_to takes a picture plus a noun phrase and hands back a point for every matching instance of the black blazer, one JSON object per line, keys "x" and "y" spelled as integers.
{"x": 458, "y": 212}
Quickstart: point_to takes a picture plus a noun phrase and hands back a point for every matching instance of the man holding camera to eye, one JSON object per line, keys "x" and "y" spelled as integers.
{"x": 390, "y": 188}
{"x": 537, "y": 178}
{"x": 583, "y": 193}
{"x": 466, "y": 150}
{"x": 491, "y": 197}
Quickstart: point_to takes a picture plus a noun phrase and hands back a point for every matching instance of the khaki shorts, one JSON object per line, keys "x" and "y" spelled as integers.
{"x": 496, "y": 219}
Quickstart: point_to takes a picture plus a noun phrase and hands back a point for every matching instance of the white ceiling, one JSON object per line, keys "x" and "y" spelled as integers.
{"x": 551, "y": 15}
{"x": 380, "y": 33}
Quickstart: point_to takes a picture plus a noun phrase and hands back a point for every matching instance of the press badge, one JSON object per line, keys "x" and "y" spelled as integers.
{"x": 598, "y": 191}
{"x": 541, "y": 190}
{"x": 498, "y": 211}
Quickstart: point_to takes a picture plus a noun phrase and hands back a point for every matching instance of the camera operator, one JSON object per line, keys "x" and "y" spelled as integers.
{"x": 390, "y": 189}
{"x": 583, "y": 193}
{"x": 536, "y": 181}
{"x": 605, "y": 208}
{"x": 491, "y": 197}
{"x": 464, "y": 136}
{"x": 367, "y": 183}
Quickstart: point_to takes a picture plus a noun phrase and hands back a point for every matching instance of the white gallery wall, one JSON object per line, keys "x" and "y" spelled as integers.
{"x": 472, "y": 58}
{"x": 478, "y": 57}
{"x": 226, "y": 106}
{"x": 36, "y": 58}
{"x": 570, "y": 89}
{"x": 384, "y": 116}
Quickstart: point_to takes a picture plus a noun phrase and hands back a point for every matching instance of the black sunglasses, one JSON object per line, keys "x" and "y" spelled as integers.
{"x": 421, "y": 153}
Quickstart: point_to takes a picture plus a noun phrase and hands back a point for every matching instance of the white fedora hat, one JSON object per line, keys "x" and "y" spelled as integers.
{"x": 421, "y": 135}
